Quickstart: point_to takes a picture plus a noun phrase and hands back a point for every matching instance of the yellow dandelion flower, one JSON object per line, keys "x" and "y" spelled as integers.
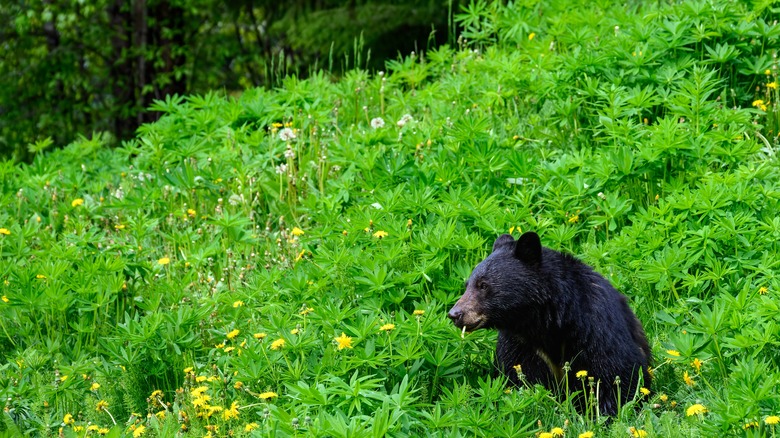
{"x": 418, "y": 313}
{"x": 297, "y": 231}
{"x": 696, "y": 364}
{"x": 587, "y": 434}
{"x": 381, "y": 234}
{"x": 557, "y": 432}
{"x": 68, "y": 420}
{"x": 92, "y": 428}
{"x": 229, "y": 349}
{"x": 233, "y": 334}
{"x": 697, "y": 409}
{"x": 102, "y": 404}
{"x": 201, "y": 401}
{"x": 140, "y": 430}
{"x": 582, "y": 374}
{"x": 772, "y": 85}
{"x": 95, "y": 386}
{"x": 751, "y": 425}
{"x": 77, "y": 202}
{"x": 232, "y": 412}
{"x": 644, "y": 391}
{"x": 306, "y": 311}
{"x": 387, "y": 327}
{"x": 295, "y": 331}
{"x": 664, "y": 398}
{"x": 119, "y": 227}
{"x": 238, "y": 303}
{"x": 78, "y": 428}
{"x": 518, "y": 369}
{"x": 574, "y": 219}
{"x": 220, "y": 345}
{"x": 5, "y": 231}
{"x": 637, "y": 433}
{"x": 767, "y": 72}
{"x": 260, "y": 335}
{"x": 238, "y": 385}
{"x": 674, "y": 353}
{"x": 40, "y": 277}
{"x": 763, "y": 290}
{"x": 268, "y": 395}
{"x": 545, "y": 435}
{"x": 688, "y": 380}
{"x": 344, "y": 341}
{"x": 191, "y": 212}
{"x": 772, "y": 420}
{"x": 250, "y": 427}
{"x": 5, "y": 299}
{"x": 760, "y": 104}
{"x": 201, "y": 379}
{"x": 531, "y": 36}
{"x": 64, "y": 378}
{"x": 278, "y": 344}
{"x": 197, "y": 392}
{"x": 164, "y": 261}
{"x": 188, "y": 370}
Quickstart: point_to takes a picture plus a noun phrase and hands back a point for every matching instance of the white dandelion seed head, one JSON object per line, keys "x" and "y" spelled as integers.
{"x": 406, "y": 118}
{"x": 281, "y": 169}
{"x": 289, "y": 153}
{"x": 602, "y": 195}
{"x": 377, "y": 123}
{"x": 287, "y": 134}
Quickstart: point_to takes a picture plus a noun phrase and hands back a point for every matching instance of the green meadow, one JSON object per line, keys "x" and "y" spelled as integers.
{"x": 279, "y": 263}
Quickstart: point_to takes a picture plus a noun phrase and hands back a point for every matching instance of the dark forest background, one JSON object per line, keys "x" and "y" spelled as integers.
{"x": 91, "y": 68}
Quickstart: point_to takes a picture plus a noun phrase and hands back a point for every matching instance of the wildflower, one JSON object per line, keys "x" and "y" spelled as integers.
{"x": 406, "y": 118}
{"x": 377, "y": 123}
{"x": 119, "y": 227}
{"x": 772, "y": 420}
{"x": 344, "y": 341}
{"x": 201, "y": 379}
{"x": 297, "y": 231}
{"x": 232, "y": 412}
{"x": 637, "y": 433}
{"x": 188, "y": 370}
{"x": 772, "y": 85}
{"x": 582, "y": 374}
{"x": 260, "y": 336}
{"x": 191, "y": 212}
{"x": 278, "y": 344}
{"x": 40, "y": 277}
{"x": 95, "y": 386}
{"x": 574, "y": 219}
{"x": 78, "y": 428}
{"x": 644, "y": 391}
{"x": 233, "y": 333}
{"x": 77, "y": 202}
{"x": 220, "y": 345}
{"x": 697, "y": 409}
{"x": 250, "y": 427}
{"x": 281, "y": 169}
{"x": 238, "y": 385}
{"x": 688, "y": 380}
{"x": 5, "y": 231}
{"x": 92, "y": 428}
{"x": 68, "y": 420}
{"x": 295, "y": 331}
{"x": 664, "y": 398}
{"x": 418, "y": 313}
{"x": 306, "y": 310}
{"x": 763, "y": 290}
{"x": 197, "y": 392}
{"x": 156, "y": 394}
{"x": 268, "y": 395}
{"x": 387, "y": 327}
{"x": 545, "y": 435}
{"x": 5, "y": 299}
{"x": 164, "y": 261}
{"x": 696, "y": 364}
{"x": 238, "y": 303}
{"x": 287, "y": 134}
{"x": 759, "y": 104}
{"x": 531, "y": 36}
{"x": 64, "y": 378}
{"x": 103, "y": 431}
{"x": 602, "y": 195}
{"x": 201, "y": 401}
{"x": 557, "y": 432}
{"x": 587, "y": 434}
{"x": 139, "y": 431}
{"x": 229, "y": 349}
{"x": 380, "y": 234}
{"x": 674, "y": 353}
{"x": 751, "y": 425}
{"x": 518, "y": 369}
{"x": 767, "y": 72}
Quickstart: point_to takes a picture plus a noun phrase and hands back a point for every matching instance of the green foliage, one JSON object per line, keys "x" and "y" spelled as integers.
{"x": 289, "y": 255}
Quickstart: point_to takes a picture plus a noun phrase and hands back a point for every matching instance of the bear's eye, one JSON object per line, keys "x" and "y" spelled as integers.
{"x": 480, "y": 285}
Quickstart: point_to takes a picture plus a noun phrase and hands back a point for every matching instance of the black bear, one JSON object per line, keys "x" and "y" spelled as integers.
{"x": 549, "y": 309}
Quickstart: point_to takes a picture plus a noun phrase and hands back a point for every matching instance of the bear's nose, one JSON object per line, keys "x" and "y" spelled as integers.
{"x": 455, "y": 314}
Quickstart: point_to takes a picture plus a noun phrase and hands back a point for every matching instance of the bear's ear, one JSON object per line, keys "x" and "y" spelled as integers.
{"x": 503, "y": 240}
{"x": 528, "y": 248}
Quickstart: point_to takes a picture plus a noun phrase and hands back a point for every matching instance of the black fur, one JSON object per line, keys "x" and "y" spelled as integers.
{"x": 550, "y": 307}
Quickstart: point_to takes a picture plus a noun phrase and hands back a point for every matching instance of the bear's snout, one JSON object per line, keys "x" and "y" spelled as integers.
{"x": 455, "y": 314}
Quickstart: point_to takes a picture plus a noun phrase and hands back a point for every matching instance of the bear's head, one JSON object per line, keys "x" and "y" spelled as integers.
{"x": 502, "y": 286}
